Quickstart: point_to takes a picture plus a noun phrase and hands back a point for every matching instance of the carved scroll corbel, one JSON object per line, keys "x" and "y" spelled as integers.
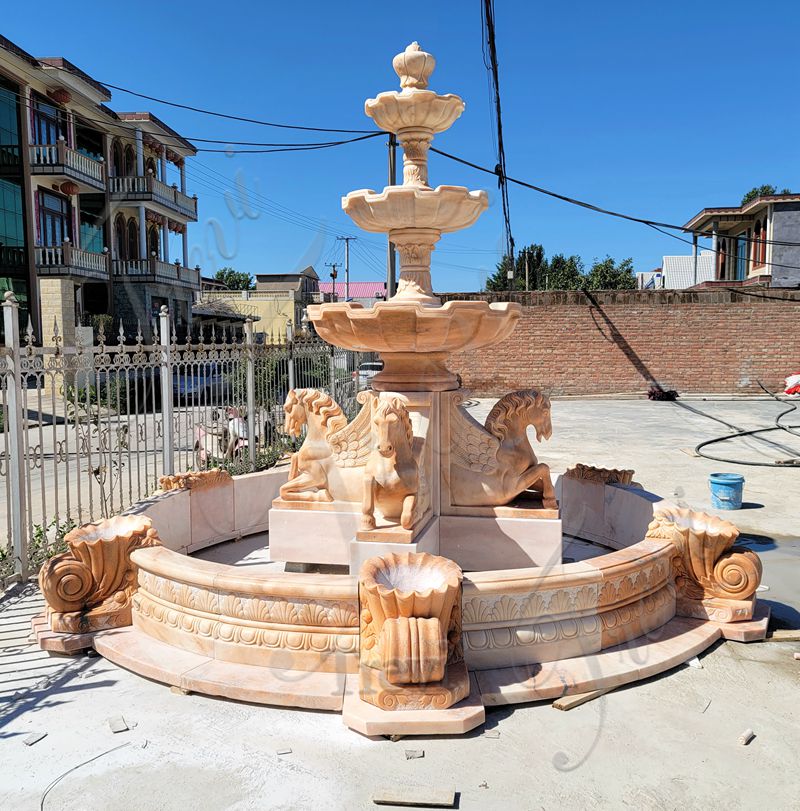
{"x": 713, "y": 578}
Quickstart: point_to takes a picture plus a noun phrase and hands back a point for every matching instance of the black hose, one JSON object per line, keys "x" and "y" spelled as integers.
{"x": 791, "y": 462}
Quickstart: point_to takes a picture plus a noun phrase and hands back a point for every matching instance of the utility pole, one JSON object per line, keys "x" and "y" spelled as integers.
{"x": 346, "y": 241}
{"x": 391, "y": 274}
{"x": 333, "y": 265}
{"x": 527, "y": 285}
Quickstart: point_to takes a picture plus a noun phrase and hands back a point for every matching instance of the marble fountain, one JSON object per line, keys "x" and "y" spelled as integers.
{"x": 439, "y": 587}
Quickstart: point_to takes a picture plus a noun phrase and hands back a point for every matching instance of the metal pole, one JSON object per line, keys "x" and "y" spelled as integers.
{"x": 715, "y": 247}
{"x": 391, "y": 267}
{"x": 346, "y": 241}
{"x": 290, "y": 360}
{"x": 167, "y": 451}
{"x": 527, "y": 285}
{"x": 694, "y": 259}
{"x": 332, "y": 372}
{"x": 250, "y": 378}
{"x": 334, "y": 274}
{"x": 16, "y": 462}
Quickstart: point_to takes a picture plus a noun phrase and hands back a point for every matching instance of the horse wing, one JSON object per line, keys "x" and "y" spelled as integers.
{"x": 471, "y": 445}
{"x": 352, "y": 444}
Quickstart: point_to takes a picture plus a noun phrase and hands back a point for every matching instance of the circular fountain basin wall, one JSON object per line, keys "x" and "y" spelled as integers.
{"x": 249, "y": 631}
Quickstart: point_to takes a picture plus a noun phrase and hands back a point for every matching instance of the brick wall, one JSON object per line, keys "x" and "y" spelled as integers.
{"x": 621, "y": 341}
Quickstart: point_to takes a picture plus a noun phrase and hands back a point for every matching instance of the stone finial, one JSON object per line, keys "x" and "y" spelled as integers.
{"x": 414, "y": 67}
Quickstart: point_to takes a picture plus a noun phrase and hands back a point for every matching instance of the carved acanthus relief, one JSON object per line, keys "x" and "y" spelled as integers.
{"x": 194, "y": 481}
{"x": 601, "y": 475}
{"x": 90, "y": 587}
{"x": 411, "y": 655}
{"x": 370, "y": 460}
{"x": 313, "y": 631}
{"x": 490, "y": 465}
{"x": 713, "y": 578}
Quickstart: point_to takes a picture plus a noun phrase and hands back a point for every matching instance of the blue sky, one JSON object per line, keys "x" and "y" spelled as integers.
{"x": 653, "y": 109}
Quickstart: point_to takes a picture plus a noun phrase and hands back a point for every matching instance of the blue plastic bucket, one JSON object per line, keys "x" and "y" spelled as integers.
{"x": 726, "y": 490}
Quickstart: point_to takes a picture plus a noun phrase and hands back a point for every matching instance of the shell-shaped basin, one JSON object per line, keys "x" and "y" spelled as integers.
{"x": 444, "y": 209}
{"x": 411, "y": 584}
{"x": 412, "y": 109}
{"x": 395, "y": 326}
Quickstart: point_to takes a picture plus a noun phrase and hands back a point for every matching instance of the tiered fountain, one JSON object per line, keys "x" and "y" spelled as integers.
{"x": 447, "y": 483}
{"x": 453, "y": 528}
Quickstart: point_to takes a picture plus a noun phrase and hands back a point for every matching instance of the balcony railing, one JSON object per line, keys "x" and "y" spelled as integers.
{"x": 63, "y": 260}
{"x": 154, "y": 270}
{"x": 149, "y": 187}
{"x": 59, "y": 159}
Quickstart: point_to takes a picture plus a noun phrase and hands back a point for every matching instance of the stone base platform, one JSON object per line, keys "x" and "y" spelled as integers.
{"x": 371, "y": 720}
{"x": 667, "y": 647}
{"x": 55, "y": 642}
{"x": 673, "y": 644}
{"x": 134, "y": 650}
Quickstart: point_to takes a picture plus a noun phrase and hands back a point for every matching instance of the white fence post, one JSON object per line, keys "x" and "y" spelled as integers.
{"x": 16, "y": 462}
{"x": 168, "y": 450}
{"x": 332, "y": 371}
{"x": 290, "y": 350}
{"x": 250, "y": 379}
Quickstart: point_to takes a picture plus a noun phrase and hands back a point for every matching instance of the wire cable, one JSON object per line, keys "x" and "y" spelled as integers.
{"x": 500, "y": 169}
{"x": 229, "y": 116}
{"x": 791, "y": 429}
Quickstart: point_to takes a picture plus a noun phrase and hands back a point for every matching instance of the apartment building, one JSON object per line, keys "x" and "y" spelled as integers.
{"x": 93, "y": 203}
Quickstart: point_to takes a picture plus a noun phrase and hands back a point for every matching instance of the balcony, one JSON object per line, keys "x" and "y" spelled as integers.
{"x": 66, "y": 260}
{"x": 64, "y": 162}
{"x": 150, "y": 189}
{"x": 154, "y": 270}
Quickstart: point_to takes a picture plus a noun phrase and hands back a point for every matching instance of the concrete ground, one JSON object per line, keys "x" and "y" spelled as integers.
{"x": 669, "y": 742}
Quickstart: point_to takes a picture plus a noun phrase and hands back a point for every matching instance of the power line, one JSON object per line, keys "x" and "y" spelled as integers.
{"x": 293, "y": 148}
{"x": 229, "y": 116}
{"x": 489, "y": 27}
{"x": 600, "y": 209}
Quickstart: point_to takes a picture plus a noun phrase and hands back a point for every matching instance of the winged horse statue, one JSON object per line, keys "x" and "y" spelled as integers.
{"x": 492, "y": 464}
{"x": 370, "y": 460}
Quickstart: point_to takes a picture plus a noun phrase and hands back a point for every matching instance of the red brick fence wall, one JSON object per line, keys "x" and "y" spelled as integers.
{"x": 608, "y": 342}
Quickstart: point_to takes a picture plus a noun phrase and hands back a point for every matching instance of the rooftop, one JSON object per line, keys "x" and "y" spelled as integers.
{"x": 743, "y": 210}
{"x": 357, "y": 289}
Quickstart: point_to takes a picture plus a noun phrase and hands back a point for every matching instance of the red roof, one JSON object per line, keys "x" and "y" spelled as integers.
{"x": 357, "y": 289}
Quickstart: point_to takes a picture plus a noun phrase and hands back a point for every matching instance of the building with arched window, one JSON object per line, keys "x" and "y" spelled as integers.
{"x": 94, "y": 209}
{"x": 755, "y": 243}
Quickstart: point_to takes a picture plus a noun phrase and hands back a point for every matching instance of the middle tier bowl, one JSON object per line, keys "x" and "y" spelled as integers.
{"x": 414, "y": 341}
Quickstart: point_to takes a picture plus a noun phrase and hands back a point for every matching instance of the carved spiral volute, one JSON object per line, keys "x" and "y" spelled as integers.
{"x": 66, "y": 583}
{"x": 736, "y": 574}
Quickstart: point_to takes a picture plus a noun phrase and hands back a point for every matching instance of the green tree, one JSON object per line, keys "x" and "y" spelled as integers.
{"x": 534, "y": 255}
{"x": 565, "y": 273}
{"x": 235, "y": 279}
{"x": 760, "y": 191}
{"x": 607, "y": 274}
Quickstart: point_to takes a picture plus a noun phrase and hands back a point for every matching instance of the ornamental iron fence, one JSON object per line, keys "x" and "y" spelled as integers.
{"x": 87, "y": 428}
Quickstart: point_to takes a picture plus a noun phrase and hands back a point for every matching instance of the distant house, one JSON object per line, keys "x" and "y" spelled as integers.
{"x": 678, "y": 273}
{"x": 277, "y": 302}
{"x": 758, "y": 242}
{"x": 366, "y": 293}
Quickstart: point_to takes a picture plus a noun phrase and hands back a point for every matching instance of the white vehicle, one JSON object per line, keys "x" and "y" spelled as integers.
{"x": 366, "y": 371}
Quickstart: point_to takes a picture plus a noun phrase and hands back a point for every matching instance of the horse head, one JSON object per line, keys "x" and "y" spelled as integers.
{"x": 515, "y": 411}
{"x": 295, "y": 411}
{"x": 391, "y": 426}
{"x": 539, "y": 414}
